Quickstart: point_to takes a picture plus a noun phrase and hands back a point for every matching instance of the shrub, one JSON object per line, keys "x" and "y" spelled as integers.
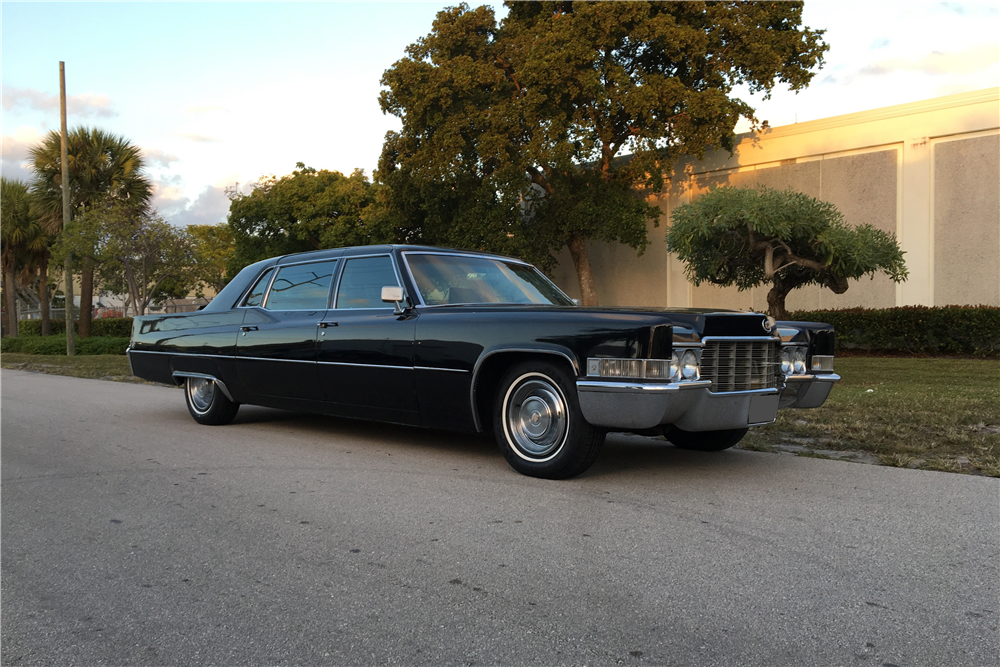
{"x": 961, "y": 330}
{"x": 56, "y": 345}
{"x": 101, "y": 326}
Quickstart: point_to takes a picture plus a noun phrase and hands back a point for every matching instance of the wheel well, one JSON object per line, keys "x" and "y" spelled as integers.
{"x": 492, "y": 371}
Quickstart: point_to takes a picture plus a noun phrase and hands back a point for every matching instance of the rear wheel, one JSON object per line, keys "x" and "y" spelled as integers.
{"x": 705, "y": 441}
{"x": 206, "y": 402}
{"x": 538, "y": 424}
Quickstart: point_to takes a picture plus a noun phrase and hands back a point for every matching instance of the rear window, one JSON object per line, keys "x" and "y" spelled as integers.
{"x": 301, "y": 287}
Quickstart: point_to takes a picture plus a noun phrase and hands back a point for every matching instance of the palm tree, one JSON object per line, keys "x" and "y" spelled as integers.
{"x": 23, "y": 242}
{"x": 104, "y": 169}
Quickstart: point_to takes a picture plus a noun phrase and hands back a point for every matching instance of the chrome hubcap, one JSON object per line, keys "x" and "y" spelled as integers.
{"x": 535, "y": 416}
{"x": 200, "y": 392}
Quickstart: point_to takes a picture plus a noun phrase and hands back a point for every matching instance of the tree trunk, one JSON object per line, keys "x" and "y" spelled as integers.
{"x": 581, "y": 261}
{"x": 43, "y": 296}
{"x": 776, "y": 299}
{"x": 86, "y": 297}
{"x": 9, "y": 307}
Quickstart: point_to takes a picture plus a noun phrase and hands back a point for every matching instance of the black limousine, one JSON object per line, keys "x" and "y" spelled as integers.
{"x": 475, "y": 342}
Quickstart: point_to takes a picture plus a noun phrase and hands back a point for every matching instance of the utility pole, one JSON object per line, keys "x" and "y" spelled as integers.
{"x": 70, "y": 338}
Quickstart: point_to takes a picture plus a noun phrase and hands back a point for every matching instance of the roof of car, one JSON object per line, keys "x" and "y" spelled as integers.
{"x": 354, "y": 251}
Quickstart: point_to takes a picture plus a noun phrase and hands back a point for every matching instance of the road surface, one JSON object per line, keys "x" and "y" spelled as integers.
{"x": 132, "y": 535}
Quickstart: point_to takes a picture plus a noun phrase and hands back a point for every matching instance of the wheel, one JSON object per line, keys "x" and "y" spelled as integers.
{"x": 538, "y": 424}
{"x": 705, "y": 441}
{"x": 206, "y": 402}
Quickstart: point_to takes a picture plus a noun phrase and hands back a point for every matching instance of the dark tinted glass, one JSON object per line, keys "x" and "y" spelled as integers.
{"x": 301, "y": 287}
{"x": 455, "y": 279}
{"x": 362, "y": 282}
{"x": 256, "y": 295}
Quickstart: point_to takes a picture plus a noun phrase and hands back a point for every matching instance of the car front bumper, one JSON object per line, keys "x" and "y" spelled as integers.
{"x": 691, "y": 406}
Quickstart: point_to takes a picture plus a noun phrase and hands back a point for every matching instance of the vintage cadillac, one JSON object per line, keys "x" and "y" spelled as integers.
{"x": 475, "y": 342}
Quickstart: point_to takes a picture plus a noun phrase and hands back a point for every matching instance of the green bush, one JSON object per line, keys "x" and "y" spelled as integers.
{"x": 960, "y": 330}
{"x": 101, "y": 326}
{"x": 111, "y": 326}
{"x": 34, "y": 327}
{"x": 56, "y": 345}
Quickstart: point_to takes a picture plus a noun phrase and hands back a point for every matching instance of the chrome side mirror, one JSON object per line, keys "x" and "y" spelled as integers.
{"x": 577, "y": 302}
{"x": 393, "y": 294}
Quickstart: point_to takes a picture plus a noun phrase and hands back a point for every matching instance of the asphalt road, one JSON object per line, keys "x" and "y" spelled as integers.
{"x": 133, "y": 536}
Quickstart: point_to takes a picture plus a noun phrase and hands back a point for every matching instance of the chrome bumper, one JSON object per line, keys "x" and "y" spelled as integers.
{"x": 807, "y": 391}
{"x": 691, "y": 406}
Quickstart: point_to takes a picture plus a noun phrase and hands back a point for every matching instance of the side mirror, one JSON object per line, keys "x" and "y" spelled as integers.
{"x": 393, "y": 294}
{"x": 577, "y": 302}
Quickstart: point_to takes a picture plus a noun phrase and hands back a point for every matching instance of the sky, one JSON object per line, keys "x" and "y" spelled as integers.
{"x": 220, "y": 94}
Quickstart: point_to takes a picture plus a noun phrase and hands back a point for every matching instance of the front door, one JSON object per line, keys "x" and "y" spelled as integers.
{"x": 365, "y": 350}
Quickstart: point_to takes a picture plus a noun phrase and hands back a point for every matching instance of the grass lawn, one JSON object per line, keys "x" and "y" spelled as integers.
{"x": 934, "y": 414}
{"x": 97, "y": 366}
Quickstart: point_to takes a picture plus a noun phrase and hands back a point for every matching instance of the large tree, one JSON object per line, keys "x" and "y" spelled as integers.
{"x": 308, "y": 209}
{"x": 514, "y": 133}
{"x": 748, "y": 237}
{"x": 104, "y": 169}
{"x": 22, "y": 241}
{"x": 213, "y": 248}
{"x": 134, "y": 251}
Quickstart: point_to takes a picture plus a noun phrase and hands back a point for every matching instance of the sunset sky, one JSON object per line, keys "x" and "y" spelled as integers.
{"x": 222, "y": 93}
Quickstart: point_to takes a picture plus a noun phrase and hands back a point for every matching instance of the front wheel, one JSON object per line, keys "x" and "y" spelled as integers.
{"x": 206, "y": 402}
{"x": 705, "y": 441}
{"x": 538, "y": 424}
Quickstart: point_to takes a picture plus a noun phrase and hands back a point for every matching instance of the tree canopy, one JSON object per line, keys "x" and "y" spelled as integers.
{"x": 213, "y": 248}
{"x": 104, "y": 169}
{"x": 305, "y": 210}
{"x": 515, "y": 133}
{"x": 23, "y": 244}
{"x": 748, "y": 237}
{"x": 134, "y": 251}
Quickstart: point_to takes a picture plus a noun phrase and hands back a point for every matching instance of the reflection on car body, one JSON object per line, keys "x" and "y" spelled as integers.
{"x": 476, "y": 342}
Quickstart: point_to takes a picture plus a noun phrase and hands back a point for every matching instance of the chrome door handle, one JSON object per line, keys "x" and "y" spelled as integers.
{"x": 324, "y": 325}
{"x": 248, "y": 328}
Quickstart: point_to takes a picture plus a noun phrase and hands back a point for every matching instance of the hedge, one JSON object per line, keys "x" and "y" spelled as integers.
{"x": 101, "y": 326}
{"x": 56, "y": 345}
{"x": 959, "y": 330}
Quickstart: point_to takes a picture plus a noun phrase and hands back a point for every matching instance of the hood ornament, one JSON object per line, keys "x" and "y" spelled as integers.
{"x": 768, "y": 323}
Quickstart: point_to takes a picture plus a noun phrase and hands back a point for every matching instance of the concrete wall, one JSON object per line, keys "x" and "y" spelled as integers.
{"x": 928, "y": 172}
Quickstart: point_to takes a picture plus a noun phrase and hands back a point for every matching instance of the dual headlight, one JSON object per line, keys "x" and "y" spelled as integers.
{"x": 684, "y": 366}
{"x": 793, "y": 360}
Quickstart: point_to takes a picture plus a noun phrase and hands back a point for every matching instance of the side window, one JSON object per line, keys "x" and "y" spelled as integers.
{"x": 301, "y": 287}
{"x": 362, "y": 282}
{"x": 256, "y": 295}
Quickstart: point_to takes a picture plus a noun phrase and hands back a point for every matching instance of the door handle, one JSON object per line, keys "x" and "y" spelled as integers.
{"x": 324, "y": 325}
{"x": 245, "y": 329}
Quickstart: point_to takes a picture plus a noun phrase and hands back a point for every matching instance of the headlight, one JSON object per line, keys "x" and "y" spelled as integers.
{"x": 675, "y": 367}
{"x": 799, "y": 361}
{"x": 787, "y": 363}
{"x": 793, "y": 360}
{"x": 689, "y": 365}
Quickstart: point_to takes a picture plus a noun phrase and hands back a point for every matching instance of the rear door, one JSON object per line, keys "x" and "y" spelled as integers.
{"x": 276, "y": 348}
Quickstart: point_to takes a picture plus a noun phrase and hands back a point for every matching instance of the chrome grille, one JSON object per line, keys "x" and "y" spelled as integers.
{"x": 740, "y": 365}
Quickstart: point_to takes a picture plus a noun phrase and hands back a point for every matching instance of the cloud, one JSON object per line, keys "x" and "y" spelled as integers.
{"x": 15, "y": 161}
{"x": 210, "y": 208}
{"x": 88, "y": 104}
{"x": 879, "y": 44}
{"x": 154, "y": 157}
{"x": 972, "y": 59}
{"x": 200, "y": 138}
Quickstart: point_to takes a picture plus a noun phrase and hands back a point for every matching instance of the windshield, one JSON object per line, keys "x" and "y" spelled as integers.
{"x": 453, "y": 279}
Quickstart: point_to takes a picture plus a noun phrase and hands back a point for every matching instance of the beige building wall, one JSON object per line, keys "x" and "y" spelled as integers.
{"x": 929, "y": 172}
